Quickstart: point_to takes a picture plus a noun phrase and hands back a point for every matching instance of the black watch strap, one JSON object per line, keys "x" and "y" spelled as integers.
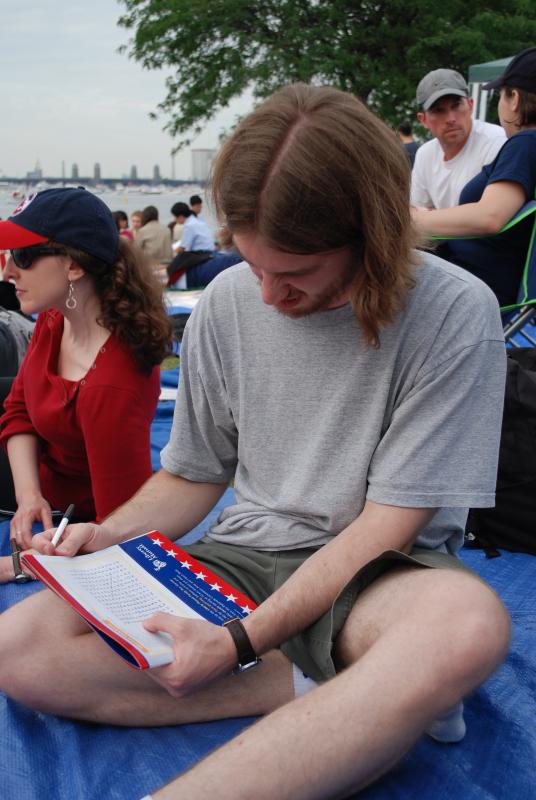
{"x": 247, "y": 657}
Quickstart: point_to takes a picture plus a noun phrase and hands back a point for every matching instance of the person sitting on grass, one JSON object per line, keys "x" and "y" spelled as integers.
{"x": 154, "y": 238}
{"x": 76, "y": 424}
{"x": 196, "y": 263}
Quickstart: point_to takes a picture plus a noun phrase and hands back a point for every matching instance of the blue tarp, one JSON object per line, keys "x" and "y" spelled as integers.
{"x": 47, "y": 757}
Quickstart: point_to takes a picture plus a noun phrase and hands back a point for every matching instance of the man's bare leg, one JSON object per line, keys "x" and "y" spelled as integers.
{"x": 419, "y": 641}
{"x": 6, "y": 569}
{"x": 52, "y": 662}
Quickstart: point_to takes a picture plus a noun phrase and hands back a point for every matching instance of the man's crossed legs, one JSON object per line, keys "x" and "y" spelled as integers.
{"x": 416, "y": 641}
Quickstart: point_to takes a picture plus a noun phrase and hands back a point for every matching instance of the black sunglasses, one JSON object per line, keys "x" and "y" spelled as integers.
{"x": 25, "y": 256}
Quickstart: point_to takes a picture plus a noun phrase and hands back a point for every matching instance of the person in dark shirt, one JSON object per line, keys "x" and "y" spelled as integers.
{"x": 497, "y": 193}
{"x": 196, "y": 204}
{"x": 405, "y": 134}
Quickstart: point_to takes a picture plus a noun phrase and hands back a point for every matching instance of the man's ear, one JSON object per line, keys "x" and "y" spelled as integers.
{"x": 471, "y": 102}
{"x": 421, "y": 116}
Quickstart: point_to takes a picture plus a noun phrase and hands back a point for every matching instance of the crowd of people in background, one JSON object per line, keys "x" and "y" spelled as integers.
{"x": 184, "y": 252}
{"x": 467, "y": 181}
{"x": 145, "y": 218}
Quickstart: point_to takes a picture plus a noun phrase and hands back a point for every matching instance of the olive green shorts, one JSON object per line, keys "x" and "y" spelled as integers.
{"x": 258, "y": 573}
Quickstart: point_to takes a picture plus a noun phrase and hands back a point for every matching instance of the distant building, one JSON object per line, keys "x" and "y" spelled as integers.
{"x": 201, "y": 161}
{"x": 97, "y": 171}
{"x": 133, "y": 173}
{"x": 74, "y": 172}
{"x": 36, "y": 173}
{"x": 156, "y": 174}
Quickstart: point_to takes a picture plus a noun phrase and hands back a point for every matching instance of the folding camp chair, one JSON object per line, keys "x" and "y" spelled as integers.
{"x": 519, "y": 317}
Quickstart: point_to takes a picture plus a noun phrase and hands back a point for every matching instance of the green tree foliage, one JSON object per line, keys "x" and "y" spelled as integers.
{"x": 377, "y": 49}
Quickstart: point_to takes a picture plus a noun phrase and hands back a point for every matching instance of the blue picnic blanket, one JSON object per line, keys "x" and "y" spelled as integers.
{"x": 47, "y": 757}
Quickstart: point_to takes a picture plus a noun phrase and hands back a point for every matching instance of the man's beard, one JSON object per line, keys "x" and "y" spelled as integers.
{"x": 327, "y": 299}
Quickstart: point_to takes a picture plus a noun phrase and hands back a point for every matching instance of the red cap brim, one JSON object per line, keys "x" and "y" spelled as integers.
{"x": 12, "y": 236}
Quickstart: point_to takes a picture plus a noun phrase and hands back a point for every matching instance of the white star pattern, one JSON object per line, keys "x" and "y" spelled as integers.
{"x": 200, "y": 575}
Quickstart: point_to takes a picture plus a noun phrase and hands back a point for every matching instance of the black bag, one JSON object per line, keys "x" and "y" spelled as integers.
{"x": 511, "y": 525}
{"x": 183, "y": 261}
{"x": 178, "y": 323}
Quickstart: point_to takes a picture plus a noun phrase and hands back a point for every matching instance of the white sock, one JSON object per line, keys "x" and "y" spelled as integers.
{"x": 450, "y": 727}
{"x": 302, "y": 683}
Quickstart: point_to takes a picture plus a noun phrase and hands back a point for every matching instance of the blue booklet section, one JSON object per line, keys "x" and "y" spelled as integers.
{"x": 189, "y": 580}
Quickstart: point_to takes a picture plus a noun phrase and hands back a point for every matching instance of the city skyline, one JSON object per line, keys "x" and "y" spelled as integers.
{"x": 69, "y": 96}
{"x": 201, "y": 159}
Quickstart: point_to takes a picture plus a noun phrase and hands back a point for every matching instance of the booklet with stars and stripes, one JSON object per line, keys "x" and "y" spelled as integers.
{"x": 116, "y": 589}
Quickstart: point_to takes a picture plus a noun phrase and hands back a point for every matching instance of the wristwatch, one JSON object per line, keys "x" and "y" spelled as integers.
{"x": 20, "y": 575}
{"x": 247, "y": 657}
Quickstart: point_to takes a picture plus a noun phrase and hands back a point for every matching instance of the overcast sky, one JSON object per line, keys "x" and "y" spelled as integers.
{"x": 68, "y": 95}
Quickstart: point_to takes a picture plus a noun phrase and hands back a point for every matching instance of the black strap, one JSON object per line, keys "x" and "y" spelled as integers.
{"x": 244, "y": 649}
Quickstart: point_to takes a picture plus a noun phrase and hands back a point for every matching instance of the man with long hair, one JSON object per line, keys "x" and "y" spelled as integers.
{"x": 352, "y": 388}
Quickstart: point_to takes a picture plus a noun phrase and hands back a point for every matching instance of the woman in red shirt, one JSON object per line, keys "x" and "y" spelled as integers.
{"x": 76, "y": 425}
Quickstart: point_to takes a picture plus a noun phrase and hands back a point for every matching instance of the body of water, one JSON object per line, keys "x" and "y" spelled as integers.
{"x": 124, "y": 200}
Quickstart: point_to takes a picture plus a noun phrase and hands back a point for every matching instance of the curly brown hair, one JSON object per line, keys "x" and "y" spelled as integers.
{"x": 312, "y": 170}
{"x": 132, "y": 305}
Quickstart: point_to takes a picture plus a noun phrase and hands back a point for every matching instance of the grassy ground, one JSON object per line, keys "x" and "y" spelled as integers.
{"x": 170, "y": 362}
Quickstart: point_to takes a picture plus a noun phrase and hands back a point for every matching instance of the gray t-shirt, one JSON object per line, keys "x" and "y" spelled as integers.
{"x": 310, "y": 421}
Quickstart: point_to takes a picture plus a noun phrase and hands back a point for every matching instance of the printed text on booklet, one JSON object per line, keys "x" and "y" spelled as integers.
{"x": 116, "y": 589}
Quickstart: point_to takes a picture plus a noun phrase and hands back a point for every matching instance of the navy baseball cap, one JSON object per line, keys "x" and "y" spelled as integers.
{"x": 74, "y": 217}
{"x": 520, "y": 73}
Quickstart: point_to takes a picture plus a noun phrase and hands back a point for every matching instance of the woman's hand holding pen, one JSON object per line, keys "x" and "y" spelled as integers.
{"x": 82, "y": 537}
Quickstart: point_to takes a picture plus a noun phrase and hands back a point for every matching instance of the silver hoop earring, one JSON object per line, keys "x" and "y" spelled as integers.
{"x": 71, "y": 299}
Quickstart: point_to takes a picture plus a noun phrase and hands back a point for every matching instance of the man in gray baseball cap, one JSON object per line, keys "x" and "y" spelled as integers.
{"x": 461, "y": 145}
{"x": 439, "y": 83}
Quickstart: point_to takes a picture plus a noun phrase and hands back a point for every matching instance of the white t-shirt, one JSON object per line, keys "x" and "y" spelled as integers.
{"x": 436, "y": 183}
